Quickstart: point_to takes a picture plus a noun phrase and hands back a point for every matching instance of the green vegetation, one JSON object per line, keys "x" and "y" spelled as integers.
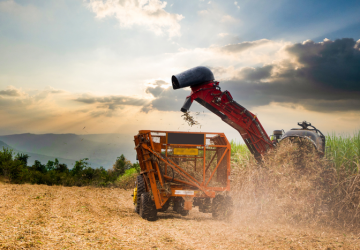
{"x": 237, "y": 148}
{"x": 14, "y": 168}
{"x": 343, "y": 150}
{"x": 240, "y": 153}
{"x": 127, "y": 180}
{"x": 296, "y": 186}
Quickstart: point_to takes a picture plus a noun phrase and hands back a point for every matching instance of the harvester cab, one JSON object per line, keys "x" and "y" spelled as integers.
{"x": 308, "y": 133}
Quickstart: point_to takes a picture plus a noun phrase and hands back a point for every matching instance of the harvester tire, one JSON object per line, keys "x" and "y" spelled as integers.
{"x": 184, "y": 212}
{"x": 140, "y": 184}
{"x": 179, "y": 206}
{"x": 147, "y": 207}
{"x": 222, "y": 207}
{"x": 165, "y": 206}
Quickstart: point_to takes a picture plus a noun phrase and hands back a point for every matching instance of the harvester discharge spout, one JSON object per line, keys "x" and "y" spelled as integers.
{"x": 187, "y": 104}
{"x": 192, "y": 77}
{"x": 207, "y": 92}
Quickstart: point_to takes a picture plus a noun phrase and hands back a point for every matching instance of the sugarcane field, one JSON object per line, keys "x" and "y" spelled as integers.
{"x": 192, "y": 124}
{"x": 276, "y": 206}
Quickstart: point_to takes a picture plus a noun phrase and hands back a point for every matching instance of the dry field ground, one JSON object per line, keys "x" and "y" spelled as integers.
{"x": 44, "y": 217}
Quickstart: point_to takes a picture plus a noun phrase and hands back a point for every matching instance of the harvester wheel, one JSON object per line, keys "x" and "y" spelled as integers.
{"x": 165, "y": 206}
{"x": 222, "y": 207}
{"x": 179, "y": 206}
{"x": 147, "y": 207}
{"x": 140, "y": 189}
{"x": 184, "y": 212}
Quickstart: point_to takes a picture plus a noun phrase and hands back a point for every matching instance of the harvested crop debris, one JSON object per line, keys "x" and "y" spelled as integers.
{"x": 294, "y": 185}
{"x": 56, "y": 217}
{"x": 189, "y": 119}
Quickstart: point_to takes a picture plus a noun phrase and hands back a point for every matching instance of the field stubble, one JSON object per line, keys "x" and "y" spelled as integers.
{"x": 293, "y": 200}
{"x": 55, "y": 217}
{"x": 294, "y": 185}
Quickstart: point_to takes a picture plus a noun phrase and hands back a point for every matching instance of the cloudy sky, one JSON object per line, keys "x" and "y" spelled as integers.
{"x": 106, "y": 64}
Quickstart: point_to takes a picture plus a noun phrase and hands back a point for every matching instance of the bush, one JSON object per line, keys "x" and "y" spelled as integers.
{"x": 127, "y": 181}
{"x": 130, "y": 172}
{"x": 15, "y": 170}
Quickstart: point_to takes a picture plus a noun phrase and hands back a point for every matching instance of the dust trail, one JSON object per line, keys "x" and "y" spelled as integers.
{"x": 294, "y": 185}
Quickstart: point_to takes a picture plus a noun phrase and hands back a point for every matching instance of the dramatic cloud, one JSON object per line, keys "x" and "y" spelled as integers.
{"x": 323, "y": 77}
{"x": 334, "y": 64}
{"x": 21, "y": 110}
{"x": 255, "y": 74}
{"x": 240, "y": 47}
{"x": 112, "y": 102}
{"x": 13, "y": 98}
{"x": 145, "y": 13}
{"x": 316, "y": 76}
{"x": 10, "y": 92}
{"x": 165, "y": 99}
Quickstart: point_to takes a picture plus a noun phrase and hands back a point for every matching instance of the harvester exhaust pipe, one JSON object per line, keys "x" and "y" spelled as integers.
{"x": 191, "y": 77}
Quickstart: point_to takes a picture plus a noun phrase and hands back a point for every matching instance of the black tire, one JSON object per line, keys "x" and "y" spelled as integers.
{"x": 222, "y": 207}
{"x": 205, "y": 205}
{"x": 184, "y": 212}
{"x": 165, "y": 206}
{"x": 147, "y": 207}
{"x": 179, "y": 206}
{"x": 140, "y": 184}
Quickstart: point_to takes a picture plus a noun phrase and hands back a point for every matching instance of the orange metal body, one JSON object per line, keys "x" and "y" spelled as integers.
{"x": 167, "y": 174}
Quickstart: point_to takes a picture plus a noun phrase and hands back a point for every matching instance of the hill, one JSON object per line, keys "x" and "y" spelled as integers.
{"x": 101, "y": 149}
{"x": 42, "y": 158}
{"x": 4, "y": 145}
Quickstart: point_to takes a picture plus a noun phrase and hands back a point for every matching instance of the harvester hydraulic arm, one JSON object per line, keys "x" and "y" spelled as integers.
{"x": 222, "y": 104}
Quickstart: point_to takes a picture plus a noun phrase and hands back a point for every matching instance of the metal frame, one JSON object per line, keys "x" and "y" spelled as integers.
{"x": 148, "y": 158}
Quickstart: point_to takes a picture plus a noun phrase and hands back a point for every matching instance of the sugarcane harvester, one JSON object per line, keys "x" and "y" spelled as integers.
{"x": 207, "y": 92}
{"x": 186, "y": 169}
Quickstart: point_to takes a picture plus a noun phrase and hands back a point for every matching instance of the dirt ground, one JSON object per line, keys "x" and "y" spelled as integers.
{"x": 43, "y": 217}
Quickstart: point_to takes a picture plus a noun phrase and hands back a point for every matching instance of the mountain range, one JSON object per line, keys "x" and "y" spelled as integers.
{"x": 101, "y": 149}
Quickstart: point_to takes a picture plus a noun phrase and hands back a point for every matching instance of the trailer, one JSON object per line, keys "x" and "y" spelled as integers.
{"x": 182, "y": 170}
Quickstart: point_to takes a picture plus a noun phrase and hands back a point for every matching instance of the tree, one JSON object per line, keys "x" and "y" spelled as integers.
{"x": 121, "y": 164}
{"x": 12, "y": 168}
{"x": 79, "y": 166}
{"x": 50, "y": 165}
{"x": 5, "y": 161}
{"x": 22, "y": 158}
{"x": 39, "y": 167}
{"x": 136, "y": 165}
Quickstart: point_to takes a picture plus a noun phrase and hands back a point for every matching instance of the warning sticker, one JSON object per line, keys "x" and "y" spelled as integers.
{"x": 184, "y": 192}
{"x": 186, "y": 151}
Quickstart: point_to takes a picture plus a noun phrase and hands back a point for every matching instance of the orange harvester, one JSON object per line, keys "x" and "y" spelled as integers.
{"x": 182, "y": 169}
